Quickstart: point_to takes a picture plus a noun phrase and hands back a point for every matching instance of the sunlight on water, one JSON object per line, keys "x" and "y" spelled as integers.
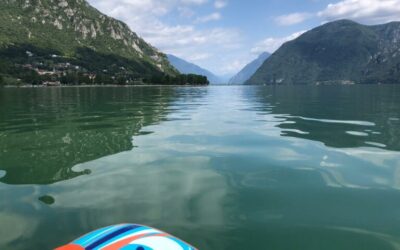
{"x": 361, "y": 123}
{"x": 356, "y": 133}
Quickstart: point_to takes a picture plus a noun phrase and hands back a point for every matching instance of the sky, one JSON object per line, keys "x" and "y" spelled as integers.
{"x": 224, "y": 35}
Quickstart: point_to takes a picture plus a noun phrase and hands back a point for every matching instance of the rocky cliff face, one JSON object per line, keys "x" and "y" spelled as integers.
{"x": 65, "y": 25}
{"x": 338, "y": 52}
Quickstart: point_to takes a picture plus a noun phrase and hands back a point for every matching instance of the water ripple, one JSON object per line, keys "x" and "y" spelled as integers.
{"x": 359, "y": 123}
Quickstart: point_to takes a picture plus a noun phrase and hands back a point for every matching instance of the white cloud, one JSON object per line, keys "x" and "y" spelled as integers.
{"x": 291, "y": 19}
{"x": 197, "y": 2}
{"x": 199, "y": 57}
{"x": 219, "y": 4}
{"x": 185, "y": 12}
{"x": 212, "y": 17}
{"x": 147, "y": 18}
{"x": 233, "y": 66}
{"x": 182, "y": 38}
{"x": 114, "y": 8}
{"x": 271, "y": 44}
{"x": 364, "y": 11}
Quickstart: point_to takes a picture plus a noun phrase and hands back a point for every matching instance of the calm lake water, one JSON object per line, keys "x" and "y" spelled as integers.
{"x": 308, "y": 168}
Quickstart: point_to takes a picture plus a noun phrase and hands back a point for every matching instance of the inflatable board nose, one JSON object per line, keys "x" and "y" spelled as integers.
{"x": 127, "y": 237}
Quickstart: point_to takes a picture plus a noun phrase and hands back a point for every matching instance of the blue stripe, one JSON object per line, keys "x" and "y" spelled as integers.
{"x": 89, "y": 238}
{"x": 127, "y": 233}
{"x": 110, "y": 236}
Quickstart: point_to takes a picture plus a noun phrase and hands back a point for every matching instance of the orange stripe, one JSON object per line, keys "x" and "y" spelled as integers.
{"x": 70, "y": 247}
{"x": 119, "y": 244}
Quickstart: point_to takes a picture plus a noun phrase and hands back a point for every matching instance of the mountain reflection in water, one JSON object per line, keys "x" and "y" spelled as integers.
{"x": 223, "y": 167}
{"x": 45, "y": 132}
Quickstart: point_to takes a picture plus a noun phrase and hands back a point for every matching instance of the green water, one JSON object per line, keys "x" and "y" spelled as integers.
{"x": 308, "y": 168}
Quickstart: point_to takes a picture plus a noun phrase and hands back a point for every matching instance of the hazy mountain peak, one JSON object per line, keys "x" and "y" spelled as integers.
{"x": 249, "y": 69}
{"x": 186, "y": 67}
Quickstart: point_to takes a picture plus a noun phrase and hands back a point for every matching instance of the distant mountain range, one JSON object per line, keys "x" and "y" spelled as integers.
{"x": 70, "y": 41}
{"x": 249, "y": 70}
{"x": 341, "y": 52}
{"x": 43, "y": 35}
{"x": 186, "y": 67}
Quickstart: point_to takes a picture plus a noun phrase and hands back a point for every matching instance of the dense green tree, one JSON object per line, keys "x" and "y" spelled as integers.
{"x": 30, "y": 77}
{"x": 121, "y": 80}
{"x": 83, "y": 79}
{"x": 15, "y": 64}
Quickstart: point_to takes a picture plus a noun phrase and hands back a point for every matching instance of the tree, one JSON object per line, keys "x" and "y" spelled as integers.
{"x": 121, "y": 80}
{"x": 69, "y": 78}
{"x": 83, "y": 79}
{"x": 30, "y": 77}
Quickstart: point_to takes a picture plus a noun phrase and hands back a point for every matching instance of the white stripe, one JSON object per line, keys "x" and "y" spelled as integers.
{"x": 157, "y": 243}
{"x": 147, "y": 231}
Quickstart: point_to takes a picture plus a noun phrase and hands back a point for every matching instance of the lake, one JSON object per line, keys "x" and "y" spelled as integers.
{"x": 221, "y": 167}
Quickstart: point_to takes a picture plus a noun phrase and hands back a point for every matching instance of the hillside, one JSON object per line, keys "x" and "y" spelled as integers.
{"x": 186, "y": 67}
{"x": 50, "y": 34}
{"x": 249, "y": 70}
{"x": 340, "y": 52}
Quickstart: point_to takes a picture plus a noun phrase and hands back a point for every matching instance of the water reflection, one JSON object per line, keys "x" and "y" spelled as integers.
{"x": 47, "y": 199}
{"x": 15, "y": 226}
{"x": 45, "y": 132}
{"x": 338, "y": 116}
{"x": 356, "y": 123}
{"x": 219, "y": 168}
{"x": 158, "y": 183}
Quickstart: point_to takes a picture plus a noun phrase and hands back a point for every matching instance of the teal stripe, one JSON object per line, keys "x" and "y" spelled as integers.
{"x": 135, "y": 230}
{"x": 93, "y": 236}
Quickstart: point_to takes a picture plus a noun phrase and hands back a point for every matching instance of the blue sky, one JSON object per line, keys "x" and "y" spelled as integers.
{"x": 224, "y": 35}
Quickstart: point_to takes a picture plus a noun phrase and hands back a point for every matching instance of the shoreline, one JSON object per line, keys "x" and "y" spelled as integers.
{"x": 96, "y": 86}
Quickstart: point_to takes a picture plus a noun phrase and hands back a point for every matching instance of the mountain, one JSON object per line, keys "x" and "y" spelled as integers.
{"x": 72, "y": 31}
{"x": 342, "y": 52}
{"x": 186, "y": 67}
{"x": 249, "y": 69}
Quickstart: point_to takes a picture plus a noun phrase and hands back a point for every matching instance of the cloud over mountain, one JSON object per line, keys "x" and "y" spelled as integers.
{"x": 365, "y": 11}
